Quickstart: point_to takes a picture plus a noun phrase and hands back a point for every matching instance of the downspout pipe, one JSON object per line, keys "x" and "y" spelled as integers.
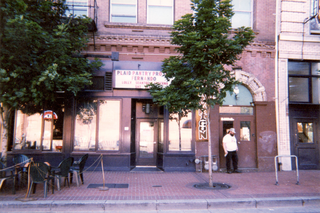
{"x": 277, "y": 36}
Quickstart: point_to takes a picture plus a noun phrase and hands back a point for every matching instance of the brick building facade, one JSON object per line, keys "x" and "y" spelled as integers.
{"x": 115, "y": 117}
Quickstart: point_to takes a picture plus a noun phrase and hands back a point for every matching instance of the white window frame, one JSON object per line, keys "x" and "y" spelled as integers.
{"x": 122, "y": 2}
{"x": 172, "y": 13}
{"x": 245, "y": 11}
{"x": 72, "y": 4}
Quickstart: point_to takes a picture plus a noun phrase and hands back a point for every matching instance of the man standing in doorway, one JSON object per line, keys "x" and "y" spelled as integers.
{"x": 230, "y": 147}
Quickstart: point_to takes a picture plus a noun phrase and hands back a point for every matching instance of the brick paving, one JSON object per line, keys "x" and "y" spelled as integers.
{"x": 179, "y": 186}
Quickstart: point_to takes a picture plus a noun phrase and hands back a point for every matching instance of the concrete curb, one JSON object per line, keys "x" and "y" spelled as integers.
{"x": 155, "y": 205}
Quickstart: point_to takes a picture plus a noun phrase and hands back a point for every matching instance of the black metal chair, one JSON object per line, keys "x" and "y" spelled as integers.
{"x": 63, "y": 171}
{"x": 21, "y": 160}
{"x": 4, "y": 176}
{"x": 40, "y": 173}
{"x": 77, "y": 169}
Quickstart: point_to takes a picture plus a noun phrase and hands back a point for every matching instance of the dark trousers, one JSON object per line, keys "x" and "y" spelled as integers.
{"x": 232, "y": 156}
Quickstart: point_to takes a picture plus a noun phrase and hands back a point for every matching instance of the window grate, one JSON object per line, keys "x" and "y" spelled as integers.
{"x": 108, "y": 82}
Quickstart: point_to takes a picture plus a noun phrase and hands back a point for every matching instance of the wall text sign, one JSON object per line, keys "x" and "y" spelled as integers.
{"x": 137, "y": 79}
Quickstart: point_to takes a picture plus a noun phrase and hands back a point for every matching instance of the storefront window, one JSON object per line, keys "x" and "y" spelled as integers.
{"x": 41, "y": 130}
{"x": 27, "y": 131}
{"x": 299, "y": 89}
{"x": 186, "y": 133}
{"x": 109, "y": 125}
{"x": 304, "y": 82}
{"x": 85, "y": 125}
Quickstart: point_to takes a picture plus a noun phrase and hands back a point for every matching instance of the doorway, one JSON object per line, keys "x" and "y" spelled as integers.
{"x": 245, "y": 134}
{"x": 146, "y": 142}
{"x": 305, "y": 144}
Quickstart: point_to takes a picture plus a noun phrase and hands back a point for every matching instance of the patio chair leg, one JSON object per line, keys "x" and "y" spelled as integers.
{"x": 31, "y": 185}
{"x": 81, "y": 176}
{"x": 52, "y": 183}
{"x": 58, "y": 184}
{"x": 34, "y": 188}
{"x": 77, "y": 177}
{"x": 71, "y": 177}
{"x": 45, "y": 189}
{"x": 14, "y": 183}
{"x": 66, "y": 180}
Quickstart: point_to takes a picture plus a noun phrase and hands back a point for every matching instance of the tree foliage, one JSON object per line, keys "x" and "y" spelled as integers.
{"x": 40, "y": 53}
{"x": 207, "y": 46}
{"x": 200, "y": 74}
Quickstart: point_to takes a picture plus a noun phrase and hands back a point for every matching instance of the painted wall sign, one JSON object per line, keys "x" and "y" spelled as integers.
{"x": 201, "y": 125}
{"x": 137, "y": 79}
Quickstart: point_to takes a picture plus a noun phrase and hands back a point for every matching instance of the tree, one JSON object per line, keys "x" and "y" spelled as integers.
{"x": 175, "y": 97}
{"x": 41, "y": 54}
{"x": 207, "y": 47}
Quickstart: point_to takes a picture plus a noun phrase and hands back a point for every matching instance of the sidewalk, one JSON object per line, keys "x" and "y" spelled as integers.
{"x": 173, "y": 190}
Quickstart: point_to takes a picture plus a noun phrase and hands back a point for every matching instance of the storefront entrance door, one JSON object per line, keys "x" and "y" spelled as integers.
{"x": 146, "y": 141}
{"x": 306, "y": 143}
{"x": 245, "y": 134}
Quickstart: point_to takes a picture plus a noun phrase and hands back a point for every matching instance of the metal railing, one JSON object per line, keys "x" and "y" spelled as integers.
{"x": 276, "y": 166}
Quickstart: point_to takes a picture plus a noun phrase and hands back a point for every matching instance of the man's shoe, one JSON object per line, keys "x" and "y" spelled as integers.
{"x": 237, "y": 171}
{"x": 229, "y": 172}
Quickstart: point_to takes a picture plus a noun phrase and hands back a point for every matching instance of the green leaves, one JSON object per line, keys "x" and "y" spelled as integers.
{"x": 37, "y": 47}
{"x": 206, "y": 48}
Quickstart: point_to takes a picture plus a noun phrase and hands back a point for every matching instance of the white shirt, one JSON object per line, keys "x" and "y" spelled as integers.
{"x": 230, "y": 142}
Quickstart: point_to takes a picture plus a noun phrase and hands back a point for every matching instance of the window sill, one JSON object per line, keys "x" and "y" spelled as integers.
{"x": 135, "y": 26}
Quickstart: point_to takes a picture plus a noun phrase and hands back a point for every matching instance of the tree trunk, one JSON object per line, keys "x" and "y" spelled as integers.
{"x": 179, "y": 119}
{"x": 4, "y": 134}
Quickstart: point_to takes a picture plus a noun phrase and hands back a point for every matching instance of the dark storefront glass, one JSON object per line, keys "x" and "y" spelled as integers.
{"x": 304, "y": 82}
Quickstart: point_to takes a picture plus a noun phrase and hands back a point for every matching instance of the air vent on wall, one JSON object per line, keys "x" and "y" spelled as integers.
{"x": 108, "y": 81}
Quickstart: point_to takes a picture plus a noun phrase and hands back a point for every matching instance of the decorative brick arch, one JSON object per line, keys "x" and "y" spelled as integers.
{"x": 255, "y": 87}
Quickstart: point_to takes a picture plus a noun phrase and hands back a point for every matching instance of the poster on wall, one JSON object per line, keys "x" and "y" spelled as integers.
{"x": 138, "y": 79}
{"x": 201, "y": 126}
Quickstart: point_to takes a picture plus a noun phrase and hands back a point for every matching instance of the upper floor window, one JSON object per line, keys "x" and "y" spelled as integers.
{"x": 77, "y": 7}
{"x": 242, "y": 13}
{"x": 123, "y": 11}
{"x": 160, "y": 12}
{"x": 304, "y": 82}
